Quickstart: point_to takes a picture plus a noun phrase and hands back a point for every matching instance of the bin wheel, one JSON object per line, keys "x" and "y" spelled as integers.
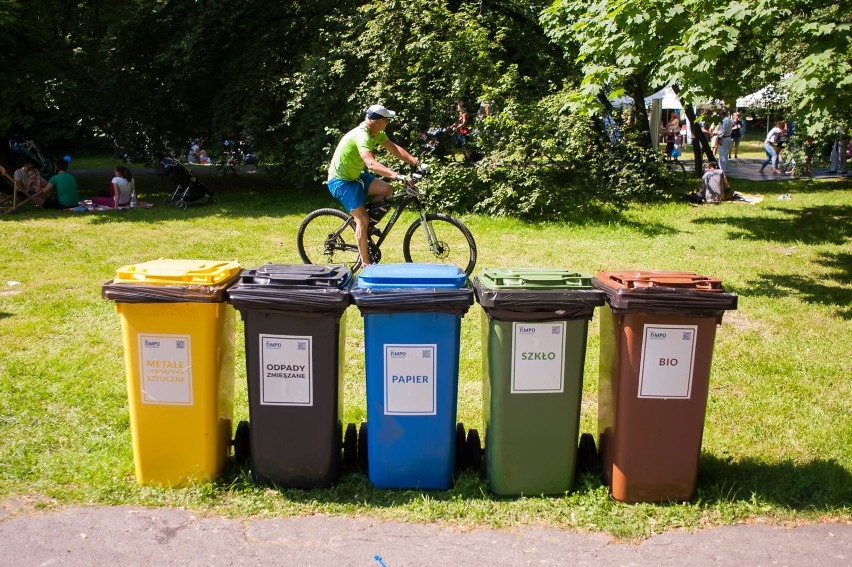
{"x": 362, "y": 446}
{"x": 587, "y": 454}
{"x": 461, "y": 463}
{"x": 242, "y": 444}
{"x": 350, "y": 447}
{"x": 473, "y": 451}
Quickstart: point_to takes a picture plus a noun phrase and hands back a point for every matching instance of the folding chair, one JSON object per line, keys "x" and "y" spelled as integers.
{"x": 10, "y": 196}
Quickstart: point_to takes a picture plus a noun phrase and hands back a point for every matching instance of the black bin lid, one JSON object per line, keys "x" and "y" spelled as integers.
{"x": 301, "y": 275}
{"x": 303, "y": 288}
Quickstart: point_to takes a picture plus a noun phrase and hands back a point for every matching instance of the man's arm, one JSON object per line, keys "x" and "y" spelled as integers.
{"x": 376, "y": 167}
{"x": 399, "y": 152}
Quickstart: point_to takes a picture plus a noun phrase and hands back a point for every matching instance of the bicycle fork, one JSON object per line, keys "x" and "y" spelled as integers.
{"x": 431, "y": 238}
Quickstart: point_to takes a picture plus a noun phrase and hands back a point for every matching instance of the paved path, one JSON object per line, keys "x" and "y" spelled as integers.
{"x": 750, "y": 169}
{"x": 131, "y": 536}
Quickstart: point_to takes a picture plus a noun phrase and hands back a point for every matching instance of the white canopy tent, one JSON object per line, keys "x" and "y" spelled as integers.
{"x": 762, "y": 98}
{"x": 663, "y": 99}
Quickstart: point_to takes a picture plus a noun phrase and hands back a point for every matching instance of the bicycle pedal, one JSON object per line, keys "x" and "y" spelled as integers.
{"x": 374, "y": 231}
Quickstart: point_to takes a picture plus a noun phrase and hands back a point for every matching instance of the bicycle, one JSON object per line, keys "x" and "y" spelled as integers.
{"x": 677, "y": 171}
{"x": 327, "y": 236}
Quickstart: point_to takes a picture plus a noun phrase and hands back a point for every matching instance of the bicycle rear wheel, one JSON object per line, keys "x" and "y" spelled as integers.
{"x": 324, "y": 237}
{"x": 453, "y": 242}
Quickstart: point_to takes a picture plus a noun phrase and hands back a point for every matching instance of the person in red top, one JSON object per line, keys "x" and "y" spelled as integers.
{"x": 459, "y": 127}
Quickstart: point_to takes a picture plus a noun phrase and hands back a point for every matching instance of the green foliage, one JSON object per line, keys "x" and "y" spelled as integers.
{"x": 545, "y": 163}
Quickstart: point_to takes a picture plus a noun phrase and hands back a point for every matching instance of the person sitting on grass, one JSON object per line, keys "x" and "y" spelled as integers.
{"x": 66, "y": 188}
{"x": 119, "y": 190}
{"x": 715, "y": 187}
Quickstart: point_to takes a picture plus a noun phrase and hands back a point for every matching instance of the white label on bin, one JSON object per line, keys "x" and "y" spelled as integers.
{"x": 285, "y": 366}
{"x": 668, "y": 354}
{"x": 538, "y": 358}
{"x": 410, "y": 387}
{"x": 165, "y": 369}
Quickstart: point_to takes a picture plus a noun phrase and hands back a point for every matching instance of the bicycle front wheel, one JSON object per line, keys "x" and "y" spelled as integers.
{"x": 442, "y": 239}
{"x": 325, "y": 237}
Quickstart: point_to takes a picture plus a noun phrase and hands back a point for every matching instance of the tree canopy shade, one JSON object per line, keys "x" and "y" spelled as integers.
{"x": 295, "y": 75}
{"x": 721, "y": 50}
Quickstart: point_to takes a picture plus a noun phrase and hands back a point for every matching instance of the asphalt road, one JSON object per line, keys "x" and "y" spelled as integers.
{"x": 130, "y": 536}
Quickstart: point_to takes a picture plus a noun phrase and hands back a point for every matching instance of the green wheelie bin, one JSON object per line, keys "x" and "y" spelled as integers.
{"x": 534, "y": 330}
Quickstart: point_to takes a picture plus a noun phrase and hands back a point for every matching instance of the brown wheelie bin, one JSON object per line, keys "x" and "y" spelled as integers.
{"x": 656, "y": 349}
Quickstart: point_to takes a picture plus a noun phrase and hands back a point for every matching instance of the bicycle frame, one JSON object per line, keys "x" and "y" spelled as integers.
{"x": 400, "y": 206}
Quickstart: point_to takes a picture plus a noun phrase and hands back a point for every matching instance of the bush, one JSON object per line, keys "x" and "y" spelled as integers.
{"x": 548, "y": 167}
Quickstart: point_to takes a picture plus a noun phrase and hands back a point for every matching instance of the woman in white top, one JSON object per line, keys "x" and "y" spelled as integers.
{"x": 119, "y": 190}
{"x": 771, "y": 146}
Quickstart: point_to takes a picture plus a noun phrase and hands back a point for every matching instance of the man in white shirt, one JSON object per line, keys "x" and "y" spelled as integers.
{"x": 726, "y": 128}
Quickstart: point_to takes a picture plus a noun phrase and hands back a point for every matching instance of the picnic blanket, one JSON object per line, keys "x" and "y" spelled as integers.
{"x": 88, "y": 206}
{"x": 745, "y": 198}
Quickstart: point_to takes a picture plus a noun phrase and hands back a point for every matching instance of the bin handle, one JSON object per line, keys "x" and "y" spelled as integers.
{"x": 574, "y": 279}
{"x": 667, "y": 279}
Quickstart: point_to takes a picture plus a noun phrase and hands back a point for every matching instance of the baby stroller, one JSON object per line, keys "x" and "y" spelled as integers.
{"x": 190, "y": 189}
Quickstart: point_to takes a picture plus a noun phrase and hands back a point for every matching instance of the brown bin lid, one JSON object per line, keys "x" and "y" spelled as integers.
{"x": 679, "y": 293}
{"x": 639, "y": 279}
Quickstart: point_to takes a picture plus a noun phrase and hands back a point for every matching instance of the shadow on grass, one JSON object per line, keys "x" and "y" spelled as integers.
{"x": 825, "y": 224}
{"x": 812, "y": 289}
{"x": 817, "y": 484}
{"x": 261, "y": 194}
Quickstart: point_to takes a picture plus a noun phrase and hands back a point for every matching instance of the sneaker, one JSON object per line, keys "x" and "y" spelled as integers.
{"x": 762, "y": 168}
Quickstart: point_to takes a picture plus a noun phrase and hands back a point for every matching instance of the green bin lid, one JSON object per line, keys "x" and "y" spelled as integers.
{"x": 538, "y": 278}
{"x": 536, "y": 294}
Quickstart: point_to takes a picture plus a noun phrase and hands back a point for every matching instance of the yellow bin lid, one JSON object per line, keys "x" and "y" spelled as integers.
{"x": 178, "y": 272}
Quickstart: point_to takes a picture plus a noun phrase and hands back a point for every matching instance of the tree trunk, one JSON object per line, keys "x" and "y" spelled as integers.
{"x": 699, "y": 140}
{"x": 643, "y": 126}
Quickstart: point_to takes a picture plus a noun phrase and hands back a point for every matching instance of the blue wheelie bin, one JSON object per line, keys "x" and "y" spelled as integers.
{"x": 412, "y": 323}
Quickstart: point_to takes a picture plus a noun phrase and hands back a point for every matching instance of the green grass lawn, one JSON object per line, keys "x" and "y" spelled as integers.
{"x": 776, "y": 444}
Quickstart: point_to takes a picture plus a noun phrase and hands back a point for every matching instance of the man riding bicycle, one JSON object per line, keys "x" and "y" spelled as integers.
{"x": 348, "y": 181}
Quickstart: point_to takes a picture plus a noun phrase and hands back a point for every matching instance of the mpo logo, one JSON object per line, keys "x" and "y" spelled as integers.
{"x": 398, "y": 353}
{"x": 272, "y": 344}
{"x": 152, "y": 344}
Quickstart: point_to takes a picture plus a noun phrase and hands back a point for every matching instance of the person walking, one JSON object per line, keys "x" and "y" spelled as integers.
{"x": 771, "y": 146}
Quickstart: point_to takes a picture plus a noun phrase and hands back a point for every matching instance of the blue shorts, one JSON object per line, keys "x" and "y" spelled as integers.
{"x": 351, "y": 194}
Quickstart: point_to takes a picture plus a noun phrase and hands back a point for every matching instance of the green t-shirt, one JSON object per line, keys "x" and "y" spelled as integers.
{"x": 66, "y": 188}
{"x": 346, "y": 163}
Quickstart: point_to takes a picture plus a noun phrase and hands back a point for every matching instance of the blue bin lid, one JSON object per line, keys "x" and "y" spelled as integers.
{"x": 412, "y": 275}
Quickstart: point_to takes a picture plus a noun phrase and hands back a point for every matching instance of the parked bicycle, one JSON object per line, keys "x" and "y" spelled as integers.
{"x": 677, "y": 170}
{"x": 327, "y": 236}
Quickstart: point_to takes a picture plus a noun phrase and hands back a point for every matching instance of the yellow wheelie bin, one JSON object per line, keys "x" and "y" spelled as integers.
{"x": 178, "y": 334}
